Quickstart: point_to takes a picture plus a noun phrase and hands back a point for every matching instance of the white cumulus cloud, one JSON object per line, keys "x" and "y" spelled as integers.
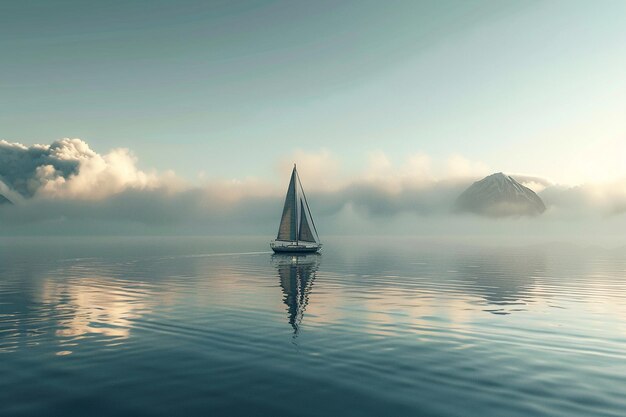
{"x": 69, "y": 168}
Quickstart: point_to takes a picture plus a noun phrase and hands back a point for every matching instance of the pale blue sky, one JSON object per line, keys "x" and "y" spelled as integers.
{"x": 229, "y": 88}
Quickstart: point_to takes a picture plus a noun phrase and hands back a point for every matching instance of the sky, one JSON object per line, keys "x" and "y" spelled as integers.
{"x": 226, "y": 95}
{"x": 230, "y": 87}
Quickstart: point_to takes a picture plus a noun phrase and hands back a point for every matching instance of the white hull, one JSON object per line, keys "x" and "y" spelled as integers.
{"x": 293, "y": 247}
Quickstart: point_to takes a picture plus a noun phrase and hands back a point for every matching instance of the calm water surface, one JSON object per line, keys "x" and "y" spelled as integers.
{"x": 198, "y": 326}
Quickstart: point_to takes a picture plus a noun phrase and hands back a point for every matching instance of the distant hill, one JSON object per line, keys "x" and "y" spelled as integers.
{"x": 499, "y": 195}
{"x": 4, "y": 200}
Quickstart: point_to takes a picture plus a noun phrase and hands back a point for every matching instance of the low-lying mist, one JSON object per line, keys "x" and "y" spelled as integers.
{"x": 66, "y": 188}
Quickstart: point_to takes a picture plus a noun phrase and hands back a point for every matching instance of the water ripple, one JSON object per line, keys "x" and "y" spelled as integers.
{"x": 192, "y": 326}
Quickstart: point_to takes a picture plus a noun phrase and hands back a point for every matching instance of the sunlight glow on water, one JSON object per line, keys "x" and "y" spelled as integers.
{"x": 198, "y": 326}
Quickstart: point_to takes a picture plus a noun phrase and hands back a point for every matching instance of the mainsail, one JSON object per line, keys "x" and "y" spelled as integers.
{"x": 288, "y": 228}
{"x": 296, "y": 221}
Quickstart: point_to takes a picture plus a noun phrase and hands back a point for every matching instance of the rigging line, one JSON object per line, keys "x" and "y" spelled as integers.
{"x": 307, "y": 206}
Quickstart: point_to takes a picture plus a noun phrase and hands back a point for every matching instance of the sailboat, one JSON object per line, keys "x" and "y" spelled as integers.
{"x": 297, "y": 232}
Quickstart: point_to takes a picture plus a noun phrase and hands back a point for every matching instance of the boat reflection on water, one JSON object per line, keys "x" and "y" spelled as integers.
{"x": 296, "y": 273}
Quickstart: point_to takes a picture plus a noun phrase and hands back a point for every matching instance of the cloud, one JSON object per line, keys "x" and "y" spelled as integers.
{"x": 22, "y": 167}
{"x": 69, "y": 168}
{"x": 383, "y": 173}
{"x": 321, "y": 169}
{"x": 386, "y": 198}
{"x": 457, "y": 166}
{"x": 535, "y": 183}
{"x": 603, "y": 199}
{"x": 67, "y": 187}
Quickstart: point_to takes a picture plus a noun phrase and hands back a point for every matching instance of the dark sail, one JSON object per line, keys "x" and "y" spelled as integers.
{"x": 288, "y": 228}
{"x": 305, "y": 231}
{"x": 296, "y": 222}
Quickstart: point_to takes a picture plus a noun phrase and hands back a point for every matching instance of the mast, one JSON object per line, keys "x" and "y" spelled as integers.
{"x": 295, "y": 197}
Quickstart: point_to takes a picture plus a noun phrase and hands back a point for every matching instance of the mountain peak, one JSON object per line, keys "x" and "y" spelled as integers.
{"x": 499, "y": 195}
{"x": 499, "y": 176}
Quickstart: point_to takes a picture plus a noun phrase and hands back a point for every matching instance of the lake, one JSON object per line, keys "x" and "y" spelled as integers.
{"x": 192, "y": 326}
